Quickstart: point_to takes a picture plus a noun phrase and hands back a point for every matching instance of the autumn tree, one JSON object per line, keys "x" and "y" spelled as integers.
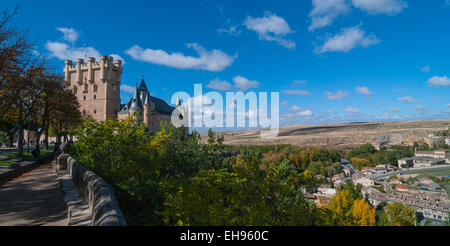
{"x": 15, "y": 59}
{"x": 398, "y": 214}
{"x": 341, "y": 206}
{"x": 363, "y": 214}
{"x": 359, "y": 162}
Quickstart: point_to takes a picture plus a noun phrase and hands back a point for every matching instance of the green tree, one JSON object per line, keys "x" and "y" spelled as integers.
{"x": 398, "y": 214}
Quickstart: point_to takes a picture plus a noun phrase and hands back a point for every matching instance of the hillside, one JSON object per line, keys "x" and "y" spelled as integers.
{"x": 344, "y": 135}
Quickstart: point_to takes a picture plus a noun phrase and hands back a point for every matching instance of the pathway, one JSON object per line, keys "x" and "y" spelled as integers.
{"x": 34, "y": 198}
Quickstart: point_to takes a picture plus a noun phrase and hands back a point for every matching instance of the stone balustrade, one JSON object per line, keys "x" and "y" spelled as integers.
{"x": 97, "y": 193}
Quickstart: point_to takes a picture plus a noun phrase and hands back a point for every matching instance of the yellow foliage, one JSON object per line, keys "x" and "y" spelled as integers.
{"x": 363, "y": 213}
{"x": 341, "y": 206}
{"x": 359, "y": 162}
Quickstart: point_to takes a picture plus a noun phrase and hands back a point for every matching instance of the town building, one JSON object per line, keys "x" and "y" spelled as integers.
{"x": 401, "y": 187}
{"x": 360, "y": 179}
{"x": 425, "y": 159}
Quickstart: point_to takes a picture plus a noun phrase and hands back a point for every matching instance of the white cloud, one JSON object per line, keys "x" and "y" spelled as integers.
{"x": 214, "y": 60}
{"x": 284, "y": 103}
{"x": 232, "y": 30}
{"x": 117, "y": 57}
{"x": 438, "y": 81}
{"x": 339, "y": 95}
{"x": 393, "y": 110}
{"x": 70, "y": 35}
{"x": 325, "y": 11}
{"x": 408, "y": 99}
{"x": 364, "y": 90}
{"x": 352, "y": 110}
{"x": 63, "y": 51}
{"x": 244, "y": 84}
{"x": 127, "y": 88}
{"x": 299, "y": 82}
{"x": 420, "y": 108}
{"x": 389, "y": 7}
{"x": 426, "y": 69}
{"x": 295, "y": 109}
{"x": 346, "y": 40}
{"x": 297, "y": 92}
{"x": 271, "y": 28}
{"x": 35, "y": 52}
{"x": 305, "y": 113}
{"x": 448, "y": 105}
{"x": 217, "y": 84}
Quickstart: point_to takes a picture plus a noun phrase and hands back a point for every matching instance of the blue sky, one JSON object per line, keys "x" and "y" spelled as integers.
{"x": 331, "y": 60}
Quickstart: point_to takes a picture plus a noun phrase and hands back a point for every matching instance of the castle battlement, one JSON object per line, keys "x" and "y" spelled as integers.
{"x": 96, "y": 85}
{"x": 109, "y": 69}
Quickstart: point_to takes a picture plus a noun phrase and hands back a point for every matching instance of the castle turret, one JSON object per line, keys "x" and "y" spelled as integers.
{"x": 80, "y": 63}
{"x": 67, "y": 68}
{"x": 147, "y": 110}
{"x": 136, "y": 109}
{"x": 91, "y": 63}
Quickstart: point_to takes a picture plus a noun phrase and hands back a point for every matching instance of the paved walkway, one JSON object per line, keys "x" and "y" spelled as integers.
{"x": 22, "y": 162}
{"x": 35, "y": 198}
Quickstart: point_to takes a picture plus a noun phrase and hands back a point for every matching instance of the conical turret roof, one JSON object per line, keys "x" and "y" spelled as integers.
{"x": 136, "y": 103}
{"x": 143, "y": 86}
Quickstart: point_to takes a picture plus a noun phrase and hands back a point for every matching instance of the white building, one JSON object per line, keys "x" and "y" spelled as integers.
{"x": 365, "y": 182}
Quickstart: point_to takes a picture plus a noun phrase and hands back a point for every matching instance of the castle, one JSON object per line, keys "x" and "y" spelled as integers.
{"x": 97, "y": 87}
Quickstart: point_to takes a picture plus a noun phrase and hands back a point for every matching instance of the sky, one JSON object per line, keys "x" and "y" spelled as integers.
{"x": 330, "y": 60}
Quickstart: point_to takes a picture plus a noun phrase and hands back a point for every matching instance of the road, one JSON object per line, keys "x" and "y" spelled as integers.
{"x": 33, "y": 199}
{"x": 411, "y": 171}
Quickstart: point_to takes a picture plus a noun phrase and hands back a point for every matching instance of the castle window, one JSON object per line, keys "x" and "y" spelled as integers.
{"x": 95, "y": 111}
{"x": 95, "y": 88}
{"x": 84, "y": 112}
{"x": 85, "y": 88}
{"x": 95, "y": 97}
{"x": 75, "y": 89}
{"x": 84, "y": 97}
{"x": 114, "y": 87}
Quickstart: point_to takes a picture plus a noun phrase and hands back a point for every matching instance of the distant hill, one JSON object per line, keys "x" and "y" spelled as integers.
{"x": 344, "y": 135}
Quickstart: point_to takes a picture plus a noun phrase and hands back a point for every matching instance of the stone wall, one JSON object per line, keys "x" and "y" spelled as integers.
{"x": 98, "y": 195}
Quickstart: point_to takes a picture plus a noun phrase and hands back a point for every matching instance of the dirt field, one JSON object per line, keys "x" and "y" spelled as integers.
{"x": 345, "y": 135}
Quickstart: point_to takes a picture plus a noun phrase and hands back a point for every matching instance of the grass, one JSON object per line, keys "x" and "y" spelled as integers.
{"x": 6, "y": 163}
{"x": 26, "y": 155}
{"x": 436, "y": 173}
{"x": 426, "y": 173}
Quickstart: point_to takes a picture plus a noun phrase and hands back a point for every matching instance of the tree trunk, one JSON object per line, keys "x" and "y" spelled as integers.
{"x": 28, "y": 137}
{"x": 37, "y": 138}
{"x": 11, "y": 140}
{"x": 20, "y": 128}
{"x": 58, "y": 134}
{"x": 46, "y": 135}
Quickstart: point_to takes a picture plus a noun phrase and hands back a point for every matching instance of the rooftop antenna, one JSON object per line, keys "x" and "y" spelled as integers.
{"x": 85, "y": 55}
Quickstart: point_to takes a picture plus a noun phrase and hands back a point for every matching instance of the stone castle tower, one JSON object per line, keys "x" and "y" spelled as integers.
{"x": 96, "y": 85}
